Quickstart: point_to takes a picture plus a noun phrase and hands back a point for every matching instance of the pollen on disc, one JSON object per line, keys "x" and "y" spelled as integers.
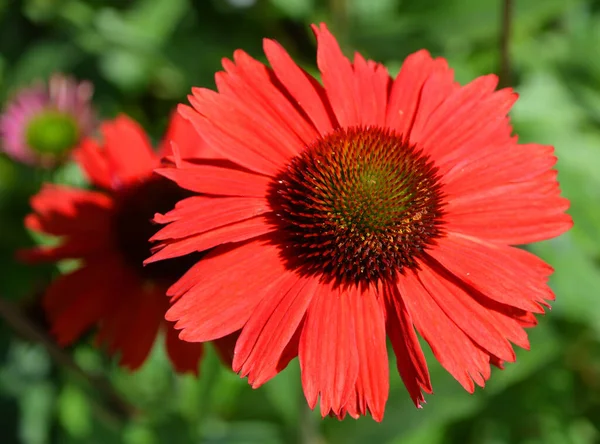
{"x": 358, "y": 205}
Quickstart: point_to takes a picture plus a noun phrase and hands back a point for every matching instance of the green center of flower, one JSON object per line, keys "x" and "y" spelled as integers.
{"x": 52, "y": 132}
{"x": 359, "y": 205}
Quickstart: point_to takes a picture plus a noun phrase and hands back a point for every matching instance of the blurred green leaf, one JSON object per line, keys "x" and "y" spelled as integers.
{"x": 41, "y": 60}
{"x": 37, "y": 402}
{"x": 296, "y": 9}
{"x": 74, "y": 412}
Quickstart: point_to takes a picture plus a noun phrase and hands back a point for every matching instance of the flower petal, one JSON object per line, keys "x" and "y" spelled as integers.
{"x": 237, "y": 232}
{"x": 225, "y": 347}
{"x": 466, "y": 119}
{"x": 410, "y": 359}
{"x": 185, "y": 356}
{"x": 511, "y": 197}
{"x": 271, "y": 327}
{"x": 218, "y": 180}
{"x": 499, "y": 163}
{"x": 76, "y": 247}
{"x": 127, "y": 152}
{"x": 134, "y": 337}
{"x": 75, "y": 302}
{"x": 373, "y": 383}
{"x": 464, "y": 310}
{"x": 93, "y": 161}
{"x": 406, "y": 90}
{"x": 64, "y": 211}
{"x": 252, "y": 83}
{"x": 453, "y": 349}
{"x": 189, "y": 142}
{"x": 436, "y": 89}
{"x": 305, "y": 90}
{"x": 328, "y": 350}
{"x": 215, "y": 212}
{"x": 371, "y": 83}
{"x": 233, "y": 133}
{"x": 520, "y": 281}
{"x": 206, "y": 312}
{"x": 337, "y": 76}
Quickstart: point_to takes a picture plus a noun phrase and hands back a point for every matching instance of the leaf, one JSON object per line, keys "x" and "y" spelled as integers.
{"x": 74, "y": 412}
{"x": 40, "y": 61}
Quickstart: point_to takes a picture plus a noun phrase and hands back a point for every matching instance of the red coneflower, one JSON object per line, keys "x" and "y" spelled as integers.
{"x": 365, "y": 207}
{"x": 109, "y": 230}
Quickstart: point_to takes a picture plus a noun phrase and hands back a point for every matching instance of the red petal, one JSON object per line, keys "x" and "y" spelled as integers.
{"x": 371, "y": 83}
{"x": 190, "y": 144}
{"x": 465, "y": 120}
{"x": 237, "y": 232}
{"x": 76, "y": 301}
{"x": 234, "y": 282}
{"x": 64, "y": 211}
{"x": 127, "y": 151}
{"x": 200, "y": 213}
{"x": 524, "y": 318}
{"x": 471, "y": 317}
{"x": 305, "y": 90}
{"x": 185, "y": 356}
{"x": 94, "y": 162}
{"x": 232, "y": 133}
{"x": 504, "y": 274}
{"x": 80, "y": 247}
{"x": 225, "y": 347}
{"x": 509, "y": 321}
{"x": 496, "y": 362}
{"x": 187, "y": 281}
{"x": 406, "y": 90}
{"x": 337, "y": 77}
{"x": 436, "y": 89}
{"x": 252, "y": 83}
{"x": 514, "y": 201}
{"x": 498, "y": 164}
{"x": 373, "y": 382}
{"x": 328, "y": 351}
{"x": 146, "y": 308}
{"x": 513, "y": 221}
{"x": 271, "y": 327}
{"x": 453, "y": 349}
{"x": 112, "y": 331}
{"x": 218, "y": 180}
{"x": 410, "y": 360}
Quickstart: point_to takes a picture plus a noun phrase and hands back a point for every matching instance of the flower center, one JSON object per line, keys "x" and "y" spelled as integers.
{"x": 136, "y": 207}
{"x": 358, "y": 205}
{"x": 52, "y": 132}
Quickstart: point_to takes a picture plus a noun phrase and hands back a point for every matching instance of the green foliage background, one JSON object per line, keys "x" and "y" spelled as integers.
{"x": 144, "y": 55}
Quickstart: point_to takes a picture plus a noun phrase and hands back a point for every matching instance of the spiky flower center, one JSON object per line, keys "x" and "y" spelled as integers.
{"x": 358, "y": 205}
{"x": 136, "y": 206}
{"x": 52, "y": 132}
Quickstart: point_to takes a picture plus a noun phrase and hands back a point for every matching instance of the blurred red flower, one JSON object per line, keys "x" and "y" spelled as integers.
{"x": 363, "y": 208}
{"x": 108, "y": 230}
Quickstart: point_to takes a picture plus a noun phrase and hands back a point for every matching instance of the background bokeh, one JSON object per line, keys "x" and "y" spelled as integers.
{"x": 144, "y": 55}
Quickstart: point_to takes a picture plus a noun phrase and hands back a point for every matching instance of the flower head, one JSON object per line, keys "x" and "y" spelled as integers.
{"x": 363, "y": 208}
{"x": 108, "y": 230}
{"x": 41, "y": 124}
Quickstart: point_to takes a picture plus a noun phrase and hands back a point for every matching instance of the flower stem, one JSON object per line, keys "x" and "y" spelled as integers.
{"x": 340, "y": 19}
{"x": 505, "y": 32}
{"x": 308, "y": 430}
{"x": 118, "y": 410}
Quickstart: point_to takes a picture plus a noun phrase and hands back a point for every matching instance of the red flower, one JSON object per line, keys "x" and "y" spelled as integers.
{"x": 365, "y": 207}
{"x": 109, "y": 231}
